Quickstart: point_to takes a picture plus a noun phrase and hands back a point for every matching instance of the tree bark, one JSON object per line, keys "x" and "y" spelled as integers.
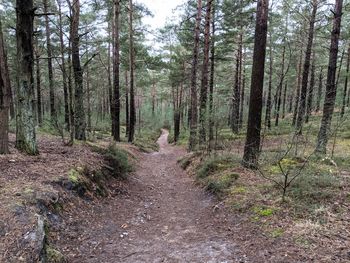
{"x": 298, "y": 88}
{"x": 193, "y": 109}
{"x": 4, "y": 97}
{"x": 319, "y": 92}
{"x": 331, "y": 88}
{"x": 63, "y": 68}
{"x": 205, "y": 77}
{"x": 116, "y": 73}
{"x": 132, "y": 121}
{"x": 79, "y": 114}
{"x": 345, "y": 92}
{"x": 269, "y": 92}
{"x": 305, "y": 79}
{"x": 25, "y": 132}
{"x": 252, "y": 145}
{"x": 38, "y": 86}
{"x": 53, "y": 112}
{"x": 310, "y": 97}
{"x": 211, "y": 81}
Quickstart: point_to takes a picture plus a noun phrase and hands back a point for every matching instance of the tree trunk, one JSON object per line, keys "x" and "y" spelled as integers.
{"x": 297, "y": 88}
{"x": 116, "y": 72}
{"x": 280, "y": 86}
{"x": 269, "y": 92}
{"x": 205, "y": 77}
{"x": 305, "y": 79}
{"x": 211, "y": 81}
{"x": 242, "y": 92}
{"x": 319, "y": 92}
{"x": 79, "y": 114}
{"x": 284, "y": 100}
{"x": 252, "y": 145}
{"x": 25, "y": 132}
{"x": 311, "y": 92}
{"x": 345, "y": 92}
{"x": 4, "y": 97}
{"x": 110, "y": 86}
{"x": 38, "y": 86}
{"x": 127, "y": 107}
{"x": 63, "y": 68}
{"x": 132, "y": 122}
{"x": 194, "y": 110}
{"x": 236, "y": 97}
{"x": 53, "y": 112}
{"x": 331, "y": 89}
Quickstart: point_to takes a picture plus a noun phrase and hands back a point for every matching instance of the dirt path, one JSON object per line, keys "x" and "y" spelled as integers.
{"x": 163, "y": 217}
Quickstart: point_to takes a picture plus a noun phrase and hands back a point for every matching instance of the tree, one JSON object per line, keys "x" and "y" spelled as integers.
{"x": 4, "y": 97}
{"x": 63, "y": 68}
{"x": 205, "y": 76}
{"x": 49, "y": 64}
{"x": 345, "y": 92}
{"x": 25, "y": 130}
{"x": 193, "y": 87}
{"x": 132, "y": 117}
{"x": 116, "y": 84}
{"x": 252, "y": 145}
{"x": 331, "y": 87}
{"x": 79, "y": 114}
{"x": 306, "y": 70}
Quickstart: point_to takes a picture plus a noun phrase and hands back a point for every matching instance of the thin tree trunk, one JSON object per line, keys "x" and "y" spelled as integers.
{"x": 53, "y": 112}
{"x": 127, "y": 107}
{"x": 4, "y": 97}
{"x": 319, "y": 92}
{"x": 110, "y": 86}
{"x": 63, "y": 68}
{"x": 284, "y": 100}
{"x": 211, "y": 81}
{"x": 305, "y": 79}
{"x": 132, "y": 122}
{"x": 280, "y": 86}
{"x": 269, "y": 92}
{"x": 116, "y": 72}
{"x": 194, "y": 110}
{"x": 310, "y": 97}
{"x": 298, "y": 88}
{"x": 345, "y": 92}
{"x": 252, "y": 145}
{"x": 38, "y": 87}
{"x": 242, "y": 93}
{"x": 25, "y": 130}
{"x": 331, "y": 89}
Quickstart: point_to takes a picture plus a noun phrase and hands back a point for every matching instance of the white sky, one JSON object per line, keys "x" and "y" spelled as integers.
{"x": 161, "y": 9}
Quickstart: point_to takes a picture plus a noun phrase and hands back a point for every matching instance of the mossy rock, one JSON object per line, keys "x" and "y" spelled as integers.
{"x": 54, "y": 256}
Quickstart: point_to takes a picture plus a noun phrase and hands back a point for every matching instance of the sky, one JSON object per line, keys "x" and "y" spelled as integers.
{"x": 161, "y": 9}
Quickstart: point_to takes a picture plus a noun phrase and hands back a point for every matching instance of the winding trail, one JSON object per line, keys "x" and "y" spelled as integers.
{"x": 164, "y": 217}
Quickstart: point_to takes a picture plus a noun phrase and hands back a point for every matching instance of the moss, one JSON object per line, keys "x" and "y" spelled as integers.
{"x": 73, "y": 176}
{"x": 219, "y": 184}
{"x": 277, "y": 232}
{"x": 216, "y": 164}
{"x": 262, "y": 211}
{"x": 54, "y": 256}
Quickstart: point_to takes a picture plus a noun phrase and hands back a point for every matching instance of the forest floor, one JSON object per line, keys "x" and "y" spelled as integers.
{"x": 159, "y": 214}
{"x": 163, "y": 216}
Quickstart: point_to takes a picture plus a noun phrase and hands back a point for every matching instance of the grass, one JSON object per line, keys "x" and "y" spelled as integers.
{"x": 146, "y": 141}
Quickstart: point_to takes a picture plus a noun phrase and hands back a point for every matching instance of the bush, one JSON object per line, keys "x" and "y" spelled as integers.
{"x": 217, "y": 163}
{"x": 118, "y": 163}
{"x": 219, "y": 184}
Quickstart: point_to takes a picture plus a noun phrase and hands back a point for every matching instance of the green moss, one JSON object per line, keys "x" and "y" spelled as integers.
{"x": 216, "y": 164}
{"x": 262, "y": 211}
{"x": 54, "y": 256}
{"x": 219, "y": 184}
{"x": 277, "y": 232}
{"x": 73, "y": 176}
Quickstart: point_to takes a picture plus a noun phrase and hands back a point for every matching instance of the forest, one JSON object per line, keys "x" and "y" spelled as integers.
{"x": 220, "y": 135}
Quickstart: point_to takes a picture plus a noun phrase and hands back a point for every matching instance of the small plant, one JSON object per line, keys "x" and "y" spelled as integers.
{"x": 215, "y": 164}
